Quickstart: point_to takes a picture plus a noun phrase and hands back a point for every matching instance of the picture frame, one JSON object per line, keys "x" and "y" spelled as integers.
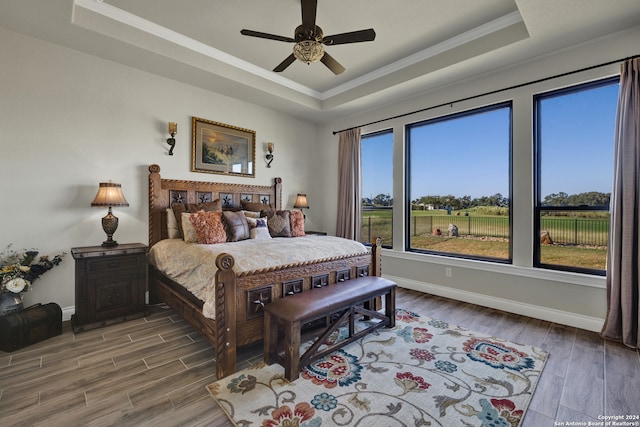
{"x": 222, "y": 149}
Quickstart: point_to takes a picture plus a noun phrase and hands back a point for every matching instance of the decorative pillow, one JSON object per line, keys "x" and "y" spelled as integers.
{"x": 236, "y": 226}
{"x": 251, "y": 214}
{"x": 189, "y": 234}
{"x": 297, "y": 223}
{"x": 279, "y": 224}
{"x": 260, "y": 230}
{"x": 255, "y": 206}
{"x": 172, "y": 225}
{"x": 208, "y": 227}
{"x": 180, "y": 208}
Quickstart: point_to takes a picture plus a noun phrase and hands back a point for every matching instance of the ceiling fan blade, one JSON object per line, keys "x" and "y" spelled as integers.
{"x": 332, "y": 64}
{"x": 266, "y": 36}
{"x": 309, "y": 8}
{"x": 350, "y": 37}
{"x": 284, "y": 64}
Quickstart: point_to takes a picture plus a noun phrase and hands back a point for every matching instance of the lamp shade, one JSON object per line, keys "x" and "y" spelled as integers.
{"x": 109, "y": 194}
{"x": 301, "y": 201}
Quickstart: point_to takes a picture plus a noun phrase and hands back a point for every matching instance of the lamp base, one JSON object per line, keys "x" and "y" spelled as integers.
{"x": 109, "y": 243}
{"x": 110, "y": 225}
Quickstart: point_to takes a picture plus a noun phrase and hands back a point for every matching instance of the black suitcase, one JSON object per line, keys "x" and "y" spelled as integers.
{"x": 31, "y": 325}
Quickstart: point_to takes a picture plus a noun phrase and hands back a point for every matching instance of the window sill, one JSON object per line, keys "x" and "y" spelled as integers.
{"x": 536, "y": 273}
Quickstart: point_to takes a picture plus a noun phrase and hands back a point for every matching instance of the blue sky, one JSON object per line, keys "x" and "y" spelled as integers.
{"x": 577, "y": 150}
{"x": 577, "y": 141}
{"x": 377, "y": 165}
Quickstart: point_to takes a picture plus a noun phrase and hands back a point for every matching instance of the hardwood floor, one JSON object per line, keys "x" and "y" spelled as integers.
{"x": 153, "y": 371}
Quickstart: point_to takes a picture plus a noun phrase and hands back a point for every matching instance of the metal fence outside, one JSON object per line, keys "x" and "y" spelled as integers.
{"x": 564, "y": 231}
{"x": 577, "y": 231}
{"x": 377, "y": 227}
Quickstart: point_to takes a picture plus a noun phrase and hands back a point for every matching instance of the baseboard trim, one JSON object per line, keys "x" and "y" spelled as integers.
{"x": 538, "y": 312}
{"x": 67, "y": 312}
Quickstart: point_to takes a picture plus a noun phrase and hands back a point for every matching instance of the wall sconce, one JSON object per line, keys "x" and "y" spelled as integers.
{"x": 301, "y": 202}
{"x": 173, "y": 130}
{"x": 269, "y": 155}
{"x": 109, "y": 194}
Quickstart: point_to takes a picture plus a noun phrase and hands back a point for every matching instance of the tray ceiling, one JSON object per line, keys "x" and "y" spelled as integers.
{"x": 419, "y": 45}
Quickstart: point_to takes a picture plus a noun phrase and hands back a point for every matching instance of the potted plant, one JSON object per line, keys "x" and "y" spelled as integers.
{"x": 18, "y": 270}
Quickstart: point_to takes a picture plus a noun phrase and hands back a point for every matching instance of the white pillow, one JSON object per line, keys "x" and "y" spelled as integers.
{"x": 172, "y": 225}
{"x": 260, "y": 231}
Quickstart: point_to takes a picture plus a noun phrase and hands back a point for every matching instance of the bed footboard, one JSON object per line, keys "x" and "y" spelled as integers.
{"x": 236, "y": 296}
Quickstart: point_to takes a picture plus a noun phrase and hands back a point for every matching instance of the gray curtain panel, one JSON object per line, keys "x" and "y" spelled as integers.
{"x": 349, "y": 197}
{"x": 623, "y": 258}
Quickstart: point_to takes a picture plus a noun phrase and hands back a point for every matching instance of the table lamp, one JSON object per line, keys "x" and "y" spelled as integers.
{"x": 109, "y": 194}
{"x": 301, "y": 203}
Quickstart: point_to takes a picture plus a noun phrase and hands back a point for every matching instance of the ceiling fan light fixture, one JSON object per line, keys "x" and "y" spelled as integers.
{"x": 309, "y": 40}
{"x": 308, "y": 51}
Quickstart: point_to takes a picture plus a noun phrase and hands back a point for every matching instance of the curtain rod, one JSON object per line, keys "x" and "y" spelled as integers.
{"x": 493, "y": 92}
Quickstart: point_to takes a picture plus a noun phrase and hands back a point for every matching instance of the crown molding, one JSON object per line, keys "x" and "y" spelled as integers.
{"x": 449, "y": 44}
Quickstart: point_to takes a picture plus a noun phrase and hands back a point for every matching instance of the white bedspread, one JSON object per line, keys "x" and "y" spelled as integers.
{"x": 193, "y": 265}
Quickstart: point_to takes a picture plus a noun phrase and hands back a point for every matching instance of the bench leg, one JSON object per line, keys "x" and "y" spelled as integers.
{"x": 369, "y": 305}
{"x": 292, "y": 350}
{"x": 270, "y": 338}
{"x": 390, "y": 306}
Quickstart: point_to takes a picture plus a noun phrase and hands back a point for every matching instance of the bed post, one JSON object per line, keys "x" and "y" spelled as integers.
{"x": 225, "y": 316}
{"x": 278, "y": 192}
{"x": 376, "y": 257}
{"x": 155, "y": 219}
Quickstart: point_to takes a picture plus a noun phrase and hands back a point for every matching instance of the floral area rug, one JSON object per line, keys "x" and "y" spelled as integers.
{"x": 423, "y": 372}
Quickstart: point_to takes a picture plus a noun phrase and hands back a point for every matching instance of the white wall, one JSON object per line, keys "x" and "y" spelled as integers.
{"x": 574, "y": 299}
{"x": 69, "y": 121}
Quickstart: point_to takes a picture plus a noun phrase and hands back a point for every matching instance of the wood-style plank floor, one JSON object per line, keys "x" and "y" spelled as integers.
{"x": 153, "y": 371}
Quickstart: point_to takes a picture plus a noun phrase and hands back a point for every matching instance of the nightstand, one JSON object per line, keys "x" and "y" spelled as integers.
{"x": 111, "y": 283}
{"x": 318, "y": 233}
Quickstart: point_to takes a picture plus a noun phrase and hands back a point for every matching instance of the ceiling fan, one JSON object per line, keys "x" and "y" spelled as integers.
{"x": 308, "y": 39}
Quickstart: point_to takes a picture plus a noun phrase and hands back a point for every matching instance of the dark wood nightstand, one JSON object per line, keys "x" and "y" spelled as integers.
{"x": 318, "y": 233}
{"x": 110, "y": 285}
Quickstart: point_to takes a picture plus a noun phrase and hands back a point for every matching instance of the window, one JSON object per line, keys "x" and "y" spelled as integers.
{"x": 459, "y": 184}
{"x": 574, "y": 143}
{"x": 377, "y": 187}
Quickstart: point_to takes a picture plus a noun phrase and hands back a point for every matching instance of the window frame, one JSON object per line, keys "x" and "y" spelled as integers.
{"x": 389, "y": 131}
{"x": 538, "y": 208}
{"x": 407, "y": 194}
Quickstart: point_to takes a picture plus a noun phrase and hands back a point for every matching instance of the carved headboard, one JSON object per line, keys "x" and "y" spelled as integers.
{"x": 164, "y": 192}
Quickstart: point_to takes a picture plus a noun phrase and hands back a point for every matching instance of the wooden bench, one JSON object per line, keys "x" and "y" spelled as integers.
{"x": 345, "y": 300}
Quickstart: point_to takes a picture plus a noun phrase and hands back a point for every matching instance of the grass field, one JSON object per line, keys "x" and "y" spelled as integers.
{"x": 488, "y": 236}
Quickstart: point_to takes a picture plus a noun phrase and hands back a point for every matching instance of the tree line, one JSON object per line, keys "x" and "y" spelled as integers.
{"x": 591, "y": 198}
{"x": 456, "y": 203}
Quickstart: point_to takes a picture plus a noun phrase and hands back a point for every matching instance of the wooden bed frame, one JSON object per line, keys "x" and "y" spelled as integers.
{"x": 239, "y": 298}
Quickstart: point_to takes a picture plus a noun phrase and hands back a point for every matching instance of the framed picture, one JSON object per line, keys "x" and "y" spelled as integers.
{"x": 223, "y": 149}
